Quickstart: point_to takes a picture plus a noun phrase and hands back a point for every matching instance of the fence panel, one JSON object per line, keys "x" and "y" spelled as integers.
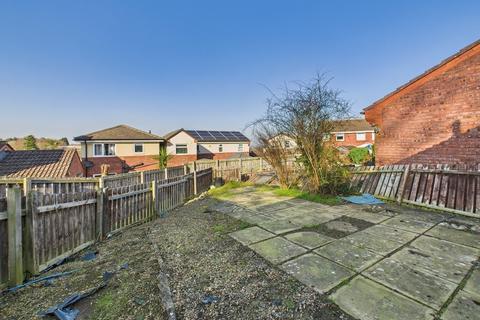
{"x": 171, "y": 194}
{"x": 127, "y": 205}
{"x": 153, "y": 175}
{"x": 175, "y": 171}
{"x": 62, "y": 225}
{"x": 204, "y": 180}
{"x": 121, "y": 180}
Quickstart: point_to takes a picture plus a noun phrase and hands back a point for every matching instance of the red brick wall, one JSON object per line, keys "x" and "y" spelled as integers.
{"x": 351, "y": 139}
{"x": 179, "y": 160}
{"x": 76, "y": 168}
{"x": 122, "y": 164}
{"x": 435, "y": 120}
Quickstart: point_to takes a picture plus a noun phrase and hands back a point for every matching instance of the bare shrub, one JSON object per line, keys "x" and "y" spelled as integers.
{"x": 306, "y": 115}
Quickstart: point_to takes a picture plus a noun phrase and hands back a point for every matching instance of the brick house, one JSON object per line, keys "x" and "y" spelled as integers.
{"x": 122, "y": 148}
{"x": 41, "y": 164}
{"x": 434, "y": 118}
{"x": 189, "y": 145}
{"x": 346, "y": 133}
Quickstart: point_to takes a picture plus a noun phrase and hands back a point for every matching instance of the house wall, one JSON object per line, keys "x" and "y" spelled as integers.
{"x": 350, "y": 139}
{"x": 434, "y": 121}
{"x": 228, "y": 147}
{"x": 124, "y": 149}
{"x": 76, "y": 168}
{"x": 182, "y": 138}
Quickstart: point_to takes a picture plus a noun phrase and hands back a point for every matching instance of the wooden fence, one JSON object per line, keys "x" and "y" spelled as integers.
{"x": 231, "y": 169}
{"x": 41, "y": 226}
{"x": 449, "y": 188}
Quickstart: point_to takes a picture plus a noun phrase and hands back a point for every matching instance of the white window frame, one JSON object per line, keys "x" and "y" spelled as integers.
{"x": 361, "y": 134}
{"x": 135, "y": 147}
{"x": 339, "y": 136}
{"x": 102, "y": 154}
{"x": 181, "y": 145}
{"x": 240, "y": 147}
{"x": 220, "y": 148}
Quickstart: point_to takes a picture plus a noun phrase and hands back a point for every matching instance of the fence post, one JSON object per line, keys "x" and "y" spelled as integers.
{"x": 29, "y": 243}
{"x": 185, "y": 169}
{"x": 195, "y": 178}
{"x": 401, "y": 188}
{"x": 240, "y": 169}
{"x": 15, "y": 252}
{"x": 142, "y": 177}
{"x": 154, "y": 197}
{"x": 166, "y": 173}
{"x": 101, "y": 192}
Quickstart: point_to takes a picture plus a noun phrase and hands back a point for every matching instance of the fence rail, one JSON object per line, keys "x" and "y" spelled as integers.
{"x": 450, "y": 188}
{"x": 45, "y": 221}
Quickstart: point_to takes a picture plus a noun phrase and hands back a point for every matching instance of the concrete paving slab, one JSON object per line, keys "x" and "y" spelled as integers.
{"x": 308, "y": 239}
{"x": 277, "y": 250}
{"x": 280, "y": 205}
{"x": 367, "y": 300}
{"x": 373, "y": 242}
{"x": 279, "y": 226}
{"x": 392, "y": 234}
{"x": 256, "y": 218}
{"x": 404, "y": 222}
{"x": 318, "y": 272}
{"x": 352, "y": 257}
{"x": 439, "y": 258}
{"x": 309, "y": 220}
{"x": 465, "y": 237}
{"x": 418, "y": 285}
{"x": 465, "y": 306}
{"x": 473, "y": 284}
{"x": 251, "y": 235}
{"x": 367, "y": 216}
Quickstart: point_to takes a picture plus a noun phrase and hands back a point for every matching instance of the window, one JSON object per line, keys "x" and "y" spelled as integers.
{"x": 138, "y": 148}
{"x": 240, "y": 147}
{"x": 97, "y": 149}
{"x": 103, "y": 149}
{"x": 340, "y": 137}
{"x": 181, "y": 149}
{"x": 361, "y": 136}
{"x": 220, "y": 148}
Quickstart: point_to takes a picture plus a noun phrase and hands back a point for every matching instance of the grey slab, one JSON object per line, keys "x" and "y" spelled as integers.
{"x": 389, "y": 233}
{"x": 277, "y": 250}
{"x": 373, "y": 242}
{"x": 465, "y": 306}
{"x": 352, "y": 257}
{"x": 280, "y": 205}
{"x": 279, "y": 226}
{"x": 473, "y": 283}
{"x": 367, "y": 300}
{"x": 367, "y": 216}
{"x": 440, "y": 258}
{"x": 404, "y": 222}
{"x": 308, "y": 239}
{"x": 317, "y": 272}
{"x": 419, "y": 285}
{"x": 309, "y": 219}
{"x": 465, "y": 237}
{"x": 251, "y": 235}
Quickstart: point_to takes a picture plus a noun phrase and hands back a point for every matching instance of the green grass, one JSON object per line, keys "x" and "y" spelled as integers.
{"x": 222, "y": 229}
{"x": 320, "y": 198}
{"x": 225, "y": 191}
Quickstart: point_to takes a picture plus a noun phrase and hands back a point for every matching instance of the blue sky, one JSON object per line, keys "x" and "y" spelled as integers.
{"x": 70, "y": 67}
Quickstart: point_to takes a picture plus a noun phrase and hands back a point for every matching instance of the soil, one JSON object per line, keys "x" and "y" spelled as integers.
{"x": 340, "y": 227}
{"x": 211, "y": 276}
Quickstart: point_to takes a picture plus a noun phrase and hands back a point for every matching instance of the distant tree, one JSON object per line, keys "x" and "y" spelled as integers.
{"x": 30, "y": 143}
{"x": 51, "y": 143}
{"x": 64, "y": 141}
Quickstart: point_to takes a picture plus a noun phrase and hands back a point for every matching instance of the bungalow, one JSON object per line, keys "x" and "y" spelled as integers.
{"x": 122, "y": 148}
{"x": 434, "y": 118}
{"x": 40, "y": 164}
{"x": 189, "y": 145}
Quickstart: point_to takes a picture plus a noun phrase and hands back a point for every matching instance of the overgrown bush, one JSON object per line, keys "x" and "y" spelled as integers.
{"x": 306, "y": 115}
{"x": 359, "y": 155}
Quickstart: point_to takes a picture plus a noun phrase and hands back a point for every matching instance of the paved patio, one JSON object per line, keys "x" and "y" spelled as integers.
{"x": 375, "y": 264}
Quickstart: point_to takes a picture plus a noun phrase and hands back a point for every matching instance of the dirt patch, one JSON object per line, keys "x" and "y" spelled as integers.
{"x": 340, "y": 227}
{"x": 213, "y": 276}
{"x": 131, "y": 292}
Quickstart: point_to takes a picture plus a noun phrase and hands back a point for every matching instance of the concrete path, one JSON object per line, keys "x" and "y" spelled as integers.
{"x": 374, "y": 265}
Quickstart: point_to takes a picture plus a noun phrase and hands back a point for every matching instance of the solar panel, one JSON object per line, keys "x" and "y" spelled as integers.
{"x": 205, "y": 135}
